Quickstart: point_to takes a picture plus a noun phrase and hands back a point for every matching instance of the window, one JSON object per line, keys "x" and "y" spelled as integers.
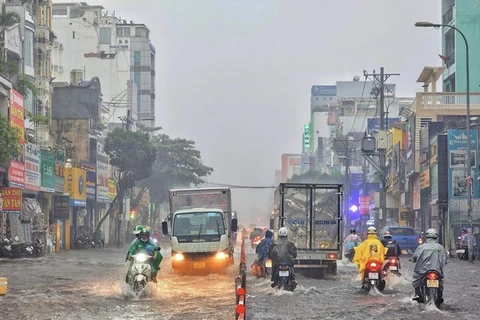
{"x": 141, "y": 32}
{"x": 198, "y": 223}
{"x": 73, "y": 34}
{"x": 28, "y": 48}
{"x": 105, "y": 36}
{"x": 136, "y": 60}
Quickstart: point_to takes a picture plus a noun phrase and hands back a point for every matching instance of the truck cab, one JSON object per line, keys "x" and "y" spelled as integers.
{"x": 202, "y": 228}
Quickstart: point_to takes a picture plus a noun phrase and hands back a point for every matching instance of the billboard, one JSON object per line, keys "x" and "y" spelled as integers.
{"x": 374, "y": 123}
{"x": 17, "y": 115}
{"x": 328, "y": 91}
{"x": 457, "y": 173}
{"x": 291, "y": 164}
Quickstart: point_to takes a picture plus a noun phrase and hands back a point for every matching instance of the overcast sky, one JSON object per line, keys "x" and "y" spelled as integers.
{"x": 235, "y": 75}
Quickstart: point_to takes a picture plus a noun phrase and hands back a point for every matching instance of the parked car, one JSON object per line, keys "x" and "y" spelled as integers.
{"x": 406, "y": 237}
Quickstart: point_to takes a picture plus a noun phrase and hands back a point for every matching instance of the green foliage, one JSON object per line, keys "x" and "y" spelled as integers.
{"x": 132, "y": 153}
{"x": 25, "y": 84}
{"x": 8, "y": 19}
{"x": 313, "y": 176}
{"x": 9, "y": 144}
{"x": 178, "y": 164}
{"x": 39, "y": 118}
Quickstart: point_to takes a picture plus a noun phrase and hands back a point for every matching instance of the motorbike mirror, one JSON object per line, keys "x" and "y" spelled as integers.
{"x": 165, "y": 227}
{"x": 234, "y": 225}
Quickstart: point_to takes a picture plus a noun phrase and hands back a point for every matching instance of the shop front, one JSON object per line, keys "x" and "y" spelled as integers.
{"x": 75, "y": 187}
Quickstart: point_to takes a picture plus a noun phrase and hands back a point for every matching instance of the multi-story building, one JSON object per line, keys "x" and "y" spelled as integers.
{"x": 120, "y": 53}
{"x": 465, "y": 16}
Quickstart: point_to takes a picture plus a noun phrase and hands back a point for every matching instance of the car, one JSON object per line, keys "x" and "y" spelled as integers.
{"x": 406, "y": 237}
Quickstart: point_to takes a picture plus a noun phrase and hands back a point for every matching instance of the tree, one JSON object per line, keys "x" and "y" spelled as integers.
{"x": 133, "y": 154}
{"x": 9, "y": 143}
{"x": 178, "y": 164}
{"x": 8, "y": 19}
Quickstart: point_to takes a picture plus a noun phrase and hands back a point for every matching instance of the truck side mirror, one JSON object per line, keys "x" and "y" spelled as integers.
{"x": 272, "y": 224}
{"x": 165, "y": 227}
{"x": 234, "y": 225}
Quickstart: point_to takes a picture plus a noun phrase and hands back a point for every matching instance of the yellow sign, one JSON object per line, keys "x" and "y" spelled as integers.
{"x": 112, "y": 189}
{"x": 425, "y": 179}
{"x": 75, "y": 183}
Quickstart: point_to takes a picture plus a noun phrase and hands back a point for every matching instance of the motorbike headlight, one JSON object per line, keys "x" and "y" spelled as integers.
{"x": 178, "y": 257}
{"x": 155, "y": 240}
{"x": 220, "y": 255}
{"x": 141, "y": 257}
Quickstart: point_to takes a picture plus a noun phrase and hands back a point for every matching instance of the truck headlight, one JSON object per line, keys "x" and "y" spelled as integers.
{"x": 178, "y": 257}
{"x": 220, "y": 255}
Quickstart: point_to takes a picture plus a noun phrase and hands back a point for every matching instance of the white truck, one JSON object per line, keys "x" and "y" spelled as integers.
{"x": 312, "y": 214}
{"x": 202, "y": 227}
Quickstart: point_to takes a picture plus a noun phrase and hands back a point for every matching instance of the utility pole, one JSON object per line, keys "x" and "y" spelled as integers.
{"x": 381, "y": 79}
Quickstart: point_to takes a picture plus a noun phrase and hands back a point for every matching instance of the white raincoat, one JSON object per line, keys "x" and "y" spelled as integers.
{"x": 429, "y": 256}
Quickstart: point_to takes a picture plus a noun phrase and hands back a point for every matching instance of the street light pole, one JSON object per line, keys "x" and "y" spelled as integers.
{"x": 468, "y": 166}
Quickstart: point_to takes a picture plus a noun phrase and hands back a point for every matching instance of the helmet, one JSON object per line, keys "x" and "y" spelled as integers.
{"x": 431, "y": 233}
{"x": 464, "y": 229}
{"x": 144, "y": 235}
{"x": 138, "y": 229}
{"x": 387, "y": 234}
{"x": 352, "y": 231}
{"x": 283, "y": 232}
{"x": 372, "y": 230}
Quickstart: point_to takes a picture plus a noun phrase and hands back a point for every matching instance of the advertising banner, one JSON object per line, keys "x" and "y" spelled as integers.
{"x": 32, "y": 167}
{"x": 458, "y": 174}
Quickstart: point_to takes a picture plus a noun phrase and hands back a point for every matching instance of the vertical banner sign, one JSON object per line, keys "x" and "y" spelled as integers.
{"x": 32, "y": 167}
{"x": 47, "y": 171}
{"x": 17, "y": 114}
{"x": 11, "y": 200}
{"x": 457, "y": 173}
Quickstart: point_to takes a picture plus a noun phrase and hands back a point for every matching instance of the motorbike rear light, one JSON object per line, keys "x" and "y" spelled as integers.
{"x": 432, "y": 276}
{"x": 372, "y": 265}
{"x": 283, "y": 268}
{"x": 393, "y": 261}
{"x": 420, "y": 240}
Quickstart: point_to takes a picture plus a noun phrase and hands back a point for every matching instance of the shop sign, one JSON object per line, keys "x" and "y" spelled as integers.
{"x": 11, "y": 200}
{"x": 16, "y": 174}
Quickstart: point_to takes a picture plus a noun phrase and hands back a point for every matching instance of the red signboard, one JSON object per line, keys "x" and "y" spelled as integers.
{"x": 11, "y": 200}
{"x": 16, "y": 174}
{"x": 17, "y": 114}
{"x": 364, "y": 204}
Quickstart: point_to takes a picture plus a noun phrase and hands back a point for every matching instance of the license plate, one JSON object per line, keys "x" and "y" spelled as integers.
{"x": 373, "y": 276}
{"x": 461, "y": 251}
{"x": 432, "y": 283}
{"x": 199, "y": 265}
{"x": 393, "y": 268}
{"x": 284, "y": 273}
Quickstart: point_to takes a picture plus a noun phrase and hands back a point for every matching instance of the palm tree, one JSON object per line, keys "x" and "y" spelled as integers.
{"x": 8, "y": 19}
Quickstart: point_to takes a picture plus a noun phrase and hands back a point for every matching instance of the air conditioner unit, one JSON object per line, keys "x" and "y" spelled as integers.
{"x": 60, "y": 69}
{"x": 60, "y": 46}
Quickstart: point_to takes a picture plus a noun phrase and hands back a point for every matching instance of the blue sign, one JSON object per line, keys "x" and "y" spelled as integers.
{"x": 374, "y": 123}
{"x": 324, "y": 91}
{"x": 457, "y": 158}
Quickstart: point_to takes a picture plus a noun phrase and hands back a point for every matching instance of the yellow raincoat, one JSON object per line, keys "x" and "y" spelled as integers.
{"x": 370, "y": 249}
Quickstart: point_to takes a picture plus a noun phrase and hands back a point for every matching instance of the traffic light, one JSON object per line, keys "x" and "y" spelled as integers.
{"x": 132, "y": 213}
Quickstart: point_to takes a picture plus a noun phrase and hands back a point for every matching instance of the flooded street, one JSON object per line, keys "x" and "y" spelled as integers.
{"x": 88, "y": 284}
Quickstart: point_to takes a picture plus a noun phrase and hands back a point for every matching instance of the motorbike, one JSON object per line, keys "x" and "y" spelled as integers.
{"x": 373, "y": 276}
{"x": 391, "y": 266}
{"x": 285, "y": 277}
{"x": 268, "y": 267}
{"x": 255, "y": 241}
{"x": 140, "y": 272}
{"x": 430, "y": 288}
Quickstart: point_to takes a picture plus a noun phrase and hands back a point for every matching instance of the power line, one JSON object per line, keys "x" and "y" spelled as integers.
{"x": 233, "y": 186}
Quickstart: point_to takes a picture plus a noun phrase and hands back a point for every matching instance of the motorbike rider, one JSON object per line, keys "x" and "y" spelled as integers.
{"x": 351, "y": 241}
{"x": 282, "y": 250}
{"x": 144, "y": 244}
{"x": 468, "y": 240}
{"x": 370, "y": 249}
{"x": 429, "y": 256}
{"x": 137, "y": 231}
{"x": 393, "y": 248}
{"x": 262, "y": 249}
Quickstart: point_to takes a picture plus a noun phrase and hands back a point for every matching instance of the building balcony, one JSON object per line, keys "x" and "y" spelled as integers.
{"x": 446, "y": 102}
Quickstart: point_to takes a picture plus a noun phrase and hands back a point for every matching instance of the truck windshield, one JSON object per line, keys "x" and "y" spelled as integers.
{"x": 198, "y": 223}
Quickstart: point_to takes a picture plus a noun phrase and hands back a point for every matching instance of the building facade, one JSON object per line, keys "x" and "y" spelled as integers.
{"x": 120, "y": 53}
